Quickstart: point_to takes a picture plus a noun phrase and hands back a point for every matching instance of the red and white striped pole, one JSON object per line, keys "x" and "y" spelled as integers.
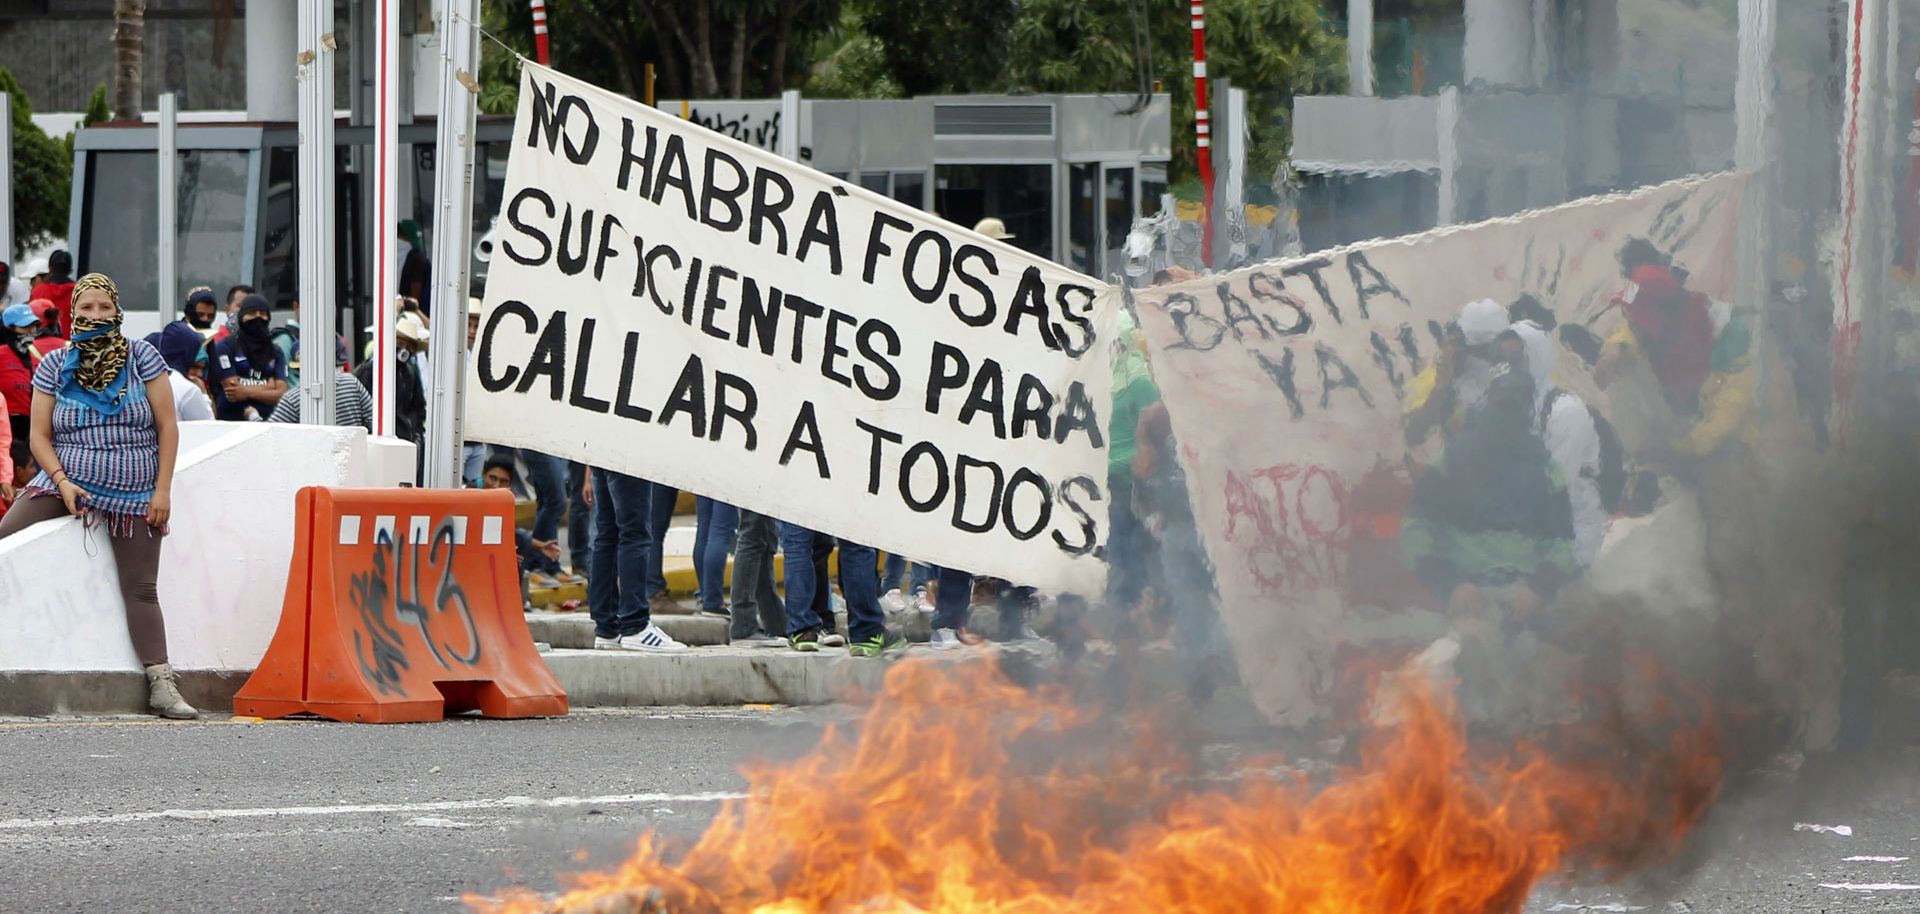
{"x": 540, "y": 51}
{"x": 1202, "y": 129}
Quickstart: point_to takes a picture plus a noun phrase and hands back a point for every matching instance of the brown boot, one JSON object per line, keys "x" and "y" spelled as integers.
{"x": 664, "y": 605}
{"x": 163, "y": 694}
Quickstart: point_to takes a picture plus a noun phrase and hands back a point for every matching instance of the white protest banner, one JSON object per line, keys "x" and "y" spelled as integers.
{"x": 680, "y": 306}
{"x": 1285, "y": 383}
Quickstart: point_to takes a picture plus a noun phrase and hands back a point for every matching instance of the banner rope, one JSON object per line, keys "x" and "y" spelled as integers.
{"x": 519, "y": 58}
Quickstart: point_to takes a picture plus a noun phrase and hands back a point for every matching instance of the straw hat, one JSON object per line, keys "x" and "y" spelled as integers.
{"x": 410, "y": 327}
{"x": 993, "y": 228}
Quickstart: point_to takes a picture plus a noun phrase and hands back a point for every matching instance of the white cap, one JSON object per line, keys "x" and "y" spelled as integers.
{"x": 1483, "y": 321}
{"x": 37, "y": 267}
{"x": 993, "y": 228}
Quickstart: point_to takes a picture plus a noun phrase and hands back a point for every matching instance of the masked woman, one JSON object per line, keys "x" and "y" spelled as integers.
{"x": 104, "y": 436}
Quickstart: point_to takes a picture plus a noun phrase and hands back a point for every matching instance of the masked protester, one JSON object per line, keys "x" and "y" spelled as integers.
{"x": 182, "y": 348}
{"x": 1441, "y": 395}
{"x": 409, "y": 387}
{"x": 18, "y": 327}
{"x": 105, "y": 438}
{"x": 202, "y": 311}
{"x": 246, "y": 372}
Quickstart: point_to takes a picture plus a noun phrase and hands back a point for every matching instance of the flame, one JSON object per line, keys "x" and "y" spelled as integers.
{"x": 962, "y": 792}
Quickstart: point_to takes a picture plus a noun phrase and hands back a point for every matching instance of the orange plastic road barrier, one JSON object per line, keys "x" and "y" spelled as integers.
{"x": 402, "y": 605}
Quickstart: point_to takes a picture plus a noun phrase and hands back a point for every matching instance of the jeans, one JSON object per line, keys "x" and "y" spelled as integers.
{"x": 579, "y": 520}
{"x": 659, "y": 521}
{"x": 617, "y": 581}
{"x": 807, "y": 605}
{"x": 548, "y": 477}
{"x": 896, "y": 567}
{"x": 755, "y": 601}
{"x": 1131, "y": 561}
{"x": 954, "y": 600}
{"x": 1183, "y": 565}
{"x": 712, "y": 543}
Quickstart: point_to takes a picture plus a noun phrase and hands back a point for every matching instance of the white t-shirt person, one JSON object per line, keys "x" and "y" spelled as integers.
{"x": 190, "y": 403}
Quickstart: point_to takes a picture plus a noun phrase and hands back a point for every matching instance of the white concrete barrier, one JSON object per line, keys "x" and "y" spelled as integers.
{"x": 223, "y": 572}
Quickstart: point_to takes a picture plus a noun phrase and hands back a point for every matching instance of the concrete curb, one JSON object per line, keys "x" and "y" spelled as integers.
{"x": 702, "y": 677}
{"x": 574, "y": 631}
{"x": 711, "y": 676}
{"x": 40, "y": 693}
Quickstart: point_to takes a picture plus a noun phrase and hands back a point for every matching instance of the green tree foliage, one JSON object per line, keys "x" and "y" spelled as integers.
{"x": 850, "y": 62}
{"x": 699, "y": 48}
{"x": 1274, "y": 49}
{"x": 952, "y": 46}
{"x": 97, "y": 108}
{"x": 42, "y": 175}
{"x": 500, "y": 67}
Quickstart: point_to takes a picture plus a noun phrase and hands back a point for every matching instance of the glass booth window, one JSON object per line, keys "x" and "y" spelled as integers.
{"x": 1019, "y": 195}
{"x": 1153, "y": 185}
{"x": 121, "y": 213}
{"x": 279, "y": 275}
{"x": 1119, "y": 216}
{"x": 1082, "y": 231}
{"x": 212, "y": 220}
{"x": 910, "y": 187}
{"x": 122, "y": 224}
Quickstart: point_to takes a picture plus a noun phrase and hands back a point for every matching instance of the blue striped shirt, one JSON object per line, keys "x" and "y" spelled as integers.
{"x": 115, "y": 458}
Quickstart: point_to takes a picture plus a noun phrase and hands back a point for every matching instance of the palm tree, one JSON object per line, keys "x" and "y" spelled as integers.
{"x": 129, "y": 31}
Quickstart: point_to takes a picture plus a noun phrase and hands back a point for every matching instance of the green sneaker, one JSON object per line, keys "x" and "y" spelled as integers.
{"x": 806, "y": 642}
{"x": 879, "y": 645}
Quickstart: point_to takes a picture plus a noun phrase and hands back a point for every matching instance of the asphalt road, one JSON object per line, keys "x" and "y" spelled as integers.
{"x": 122, "y": 816}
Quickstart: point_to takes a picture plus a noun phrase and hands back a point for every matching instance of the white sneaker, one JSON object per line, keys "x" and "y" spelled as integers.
{"x": 653, "y": 640}
{"x": 945, "y": 639}
{"x": 921, "y": 603}
{"x": 893, "y": 602}
{"x": 605, "y": 644}
{"x": 832, "y": 639}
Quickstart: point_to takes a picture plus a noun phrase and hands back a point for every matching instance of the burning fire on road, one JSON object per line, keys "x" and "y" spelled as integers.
{"x": 962, "y": 792}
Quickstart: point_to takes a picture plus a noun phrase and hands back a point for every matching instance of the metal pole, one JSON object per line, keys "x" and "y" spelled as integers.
{"x": 1202, "y": 129}
{"x": 452, "y": 239}
{"x": 315, "y": 237}
{"x": 1360, "y": 47}
{"x": 1860, "y": 236}
{"x": 166, "y": 220}
{"x": 789, "y": 137}
{"x": 386, "y": 202}
{"x": 6, "y": 179}
{"x": 650, "y": 99}
{"x": 1755, "y": 151}
{"x": 540, "y": 49}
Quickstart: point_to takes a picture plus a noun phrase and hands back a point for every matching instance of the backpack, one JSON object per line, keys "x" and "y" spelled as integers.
{"x": 1611, "y": 478}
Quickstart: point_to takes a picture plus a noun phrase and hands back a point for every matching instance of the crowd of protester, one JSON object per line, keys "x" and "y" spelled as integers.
{"x": 1509, "y": 508}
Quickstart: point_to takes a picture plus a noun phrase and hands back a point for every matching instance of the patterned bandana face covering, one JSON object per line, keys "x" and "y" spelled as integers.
{"x": 102, "y": 348}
